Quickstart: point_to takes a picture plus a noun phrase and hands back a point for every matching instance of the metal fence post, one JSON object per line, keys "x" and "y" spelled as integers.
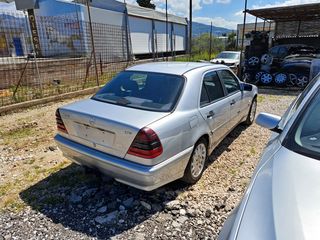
{"x": 92, "y": 43}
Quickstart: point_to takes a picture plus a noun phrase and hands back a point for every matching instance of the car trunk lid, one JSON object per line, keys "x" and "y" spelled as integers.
{"x": 106, "y": 127}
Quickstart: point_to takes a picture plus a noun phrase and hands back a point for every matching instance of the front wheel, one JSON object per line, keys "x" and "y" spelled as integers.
{"x": 196, "y": 163}
{"x": 252, "y": 112}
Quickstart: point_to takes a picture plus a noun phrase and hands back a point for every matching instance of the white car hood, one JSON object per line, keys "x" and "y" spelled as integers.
{"x": 224, "y": 60}
{"x": 284, "y": 201}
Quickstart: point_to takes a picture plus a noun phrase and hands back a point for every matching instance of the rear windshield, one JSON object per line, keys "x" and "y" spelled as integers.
{"x": 143, "y": 90}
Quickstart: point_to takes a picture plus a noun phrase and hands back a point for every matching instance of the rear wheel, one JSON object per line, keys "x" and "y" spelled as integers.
{"x": 252, "y": 112}
{"x": 197, "y": 162}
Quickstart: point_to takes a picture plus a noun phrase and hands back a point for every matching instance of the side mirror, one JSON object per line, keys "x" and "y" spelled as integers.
{"x": 269, "y": 121}
{"x": 246, "y": 87}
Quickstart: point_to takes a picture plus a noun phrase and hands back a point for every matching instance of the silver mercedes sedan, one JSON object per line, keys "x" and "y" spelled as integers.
{"x": 156, "y": 122}
{"x": 283, "y": 198}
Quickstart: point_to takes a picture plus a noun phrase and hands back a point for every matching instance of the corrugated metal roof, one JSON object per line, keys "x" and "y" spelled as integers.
{"x": 153, "y": 14}
{"x": 303, "y": 12}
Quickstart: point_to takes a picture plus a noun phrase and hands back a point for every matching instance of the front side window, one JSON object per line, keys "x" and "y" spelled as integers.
{"x": 305, "y": 136}
{"x": 211, "y": 88}
{"x": 143, "y": 90}
{"x": 230, "y": 82}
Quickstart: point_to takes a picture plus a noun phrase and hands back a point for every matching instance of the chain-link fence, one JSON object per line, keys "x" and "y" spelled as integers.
{"x": 66, "y": 60}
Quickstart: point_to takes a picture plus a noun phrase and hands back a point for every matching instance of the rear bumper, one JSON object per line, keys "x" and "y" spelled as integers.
{"x": 139, "y": 176}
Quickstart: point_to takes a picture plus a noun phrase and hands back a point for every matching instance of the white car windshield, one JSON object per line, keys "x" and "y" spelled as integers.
{"x": 143, "y": 90}
{"x": 228, "y": 55}
{"x": 304, "y": 138}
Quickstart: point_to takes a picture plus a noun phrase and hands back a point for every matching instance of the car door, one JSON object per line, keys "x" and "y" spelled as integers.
{"x": 234, "y": 96}
{"x": 214, "y": 108}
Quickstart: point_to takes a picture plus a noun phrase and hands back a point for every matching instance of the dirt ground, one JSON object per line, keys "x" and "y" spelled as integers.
{"x": 45, "y": 196}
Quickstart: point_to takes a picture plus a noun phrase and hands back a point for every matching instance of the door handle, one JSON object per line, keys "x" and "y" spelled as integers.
{"x": 210, "y": 114}
{"x": 233, "y": 102}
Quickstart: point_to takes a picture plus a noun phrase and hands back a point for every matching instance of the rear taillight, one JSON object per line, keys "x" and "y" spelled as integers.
{"x": 60, "y": 125}
{"x": 146, "y": 144}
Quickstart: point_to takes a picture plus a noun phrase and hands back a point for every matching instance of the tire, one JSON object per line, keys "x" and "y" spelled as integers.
{"x": 266, "y": 78}
{"x": 302, "y": 80}
{"x": 246, "y": 77}
{"x": 258, "y": 76}
{"x": 253, "y": 61}
{"x": 252, "y": 112}
{"x": 281, "y": 79}
{"x": 266, "y": 59}
{"x": 292, "y": 80}
{"x": 197, "y": 162}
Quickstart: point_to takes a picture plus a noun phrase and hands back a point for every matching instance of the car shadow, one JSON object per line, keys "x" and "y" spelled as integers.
{"x": 99, "y": 207}
{"x": 225, "y": 144}
{"x": 279, "y": 92}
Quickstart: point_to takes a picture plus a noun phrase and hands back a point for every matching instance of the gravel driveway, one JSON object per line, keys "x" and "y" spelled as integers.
{"x": 44, "y": 196}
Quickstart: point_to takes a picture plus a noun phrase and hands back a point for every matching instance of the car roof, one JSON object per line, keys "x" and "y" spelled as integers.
{"x": 176, "y": 68}
{"x": 230, "y": 52}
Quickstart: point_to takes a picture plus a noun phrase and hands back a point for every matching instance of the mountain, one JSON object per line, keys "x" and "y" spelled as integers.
{"x": 200, "y": 28}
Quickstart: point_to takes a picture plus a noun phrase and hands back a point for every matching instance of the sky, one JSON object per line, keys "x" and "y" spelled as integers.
{"x": 222, "y": 13}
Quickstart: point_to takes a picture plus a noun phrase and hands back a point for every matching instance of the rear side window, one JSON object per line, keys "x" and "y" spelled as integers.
{"x": 212, "y": 89}
{"x": 143, "y": 90}
{"x": 230, "y": 82}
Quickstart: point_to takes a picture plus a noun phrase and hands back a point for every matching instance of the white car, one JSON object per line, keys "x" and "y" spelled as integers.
{"x": 228, "y": 58}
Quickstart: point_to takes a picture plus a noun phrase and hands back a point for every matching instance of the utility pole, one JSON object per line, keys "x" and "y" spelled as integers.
{"x": 92, "y": 43}
{"x": 167, "y": 37}
{"x": 190, "y": 28}
{"x": 243, "y": 33}
{"x": 210, "y": 48}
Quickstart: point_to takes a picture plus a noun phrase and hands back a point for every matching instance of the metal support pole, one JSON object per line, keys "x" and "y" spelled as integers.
{"x": 264, "y": 25}
{"x": 255, "y": 24}
{"x": 210, "y": 46}
{"x": 243, "y": 33}
{"x": 92, "y": 43}
{"x": 167, "y": 37}
{"x": 127, "y": 36}
{"x": 190, "y": 28}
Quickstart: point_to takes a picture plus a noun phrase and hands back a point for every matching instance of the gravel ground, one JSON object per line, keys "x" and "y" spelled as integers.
{"x": 44, "y": 196}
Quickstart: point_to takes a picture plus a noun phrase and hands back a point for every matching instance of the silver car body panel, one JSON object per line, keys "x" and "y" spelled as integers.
{"x": 90, "y": 122}
{"x": 282, "y": 199}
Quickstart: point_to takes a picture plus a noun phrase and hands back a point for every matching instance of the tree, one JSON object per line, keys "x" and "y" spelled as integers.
{"x": 232, "y": 41}
{"x": 146, "y": 4}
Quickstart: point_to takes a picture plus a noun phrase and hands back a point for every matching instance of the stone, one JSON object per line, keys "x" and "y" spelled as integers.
{"x": 208, "y": 213}
{"x": 89, "y": 192}
{"x": 191, "y": 212}
{"x": 128, "y": 202}
{"x": 145, "y": 205}
{"x": 122, "y": 208}
{"x": 175, "y": 224}
{"x": 173, "y": 205}
{"x": 102, "y": 209}
{"x": 112, "y": 205}
{"x": 182, "y": 219}
{"x": 109, "y": 218}
{"x": 53, "y": 148}
{"x": 183, "y": 212}
{"x": 74, "y": 198}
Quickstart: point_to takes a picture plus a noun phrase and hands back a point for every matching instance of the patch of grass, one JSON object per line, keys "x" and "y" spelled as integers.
{"x": 17, "y": 133}
{"x": 261, "y": 98}
{"x": 253, "y": 151}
